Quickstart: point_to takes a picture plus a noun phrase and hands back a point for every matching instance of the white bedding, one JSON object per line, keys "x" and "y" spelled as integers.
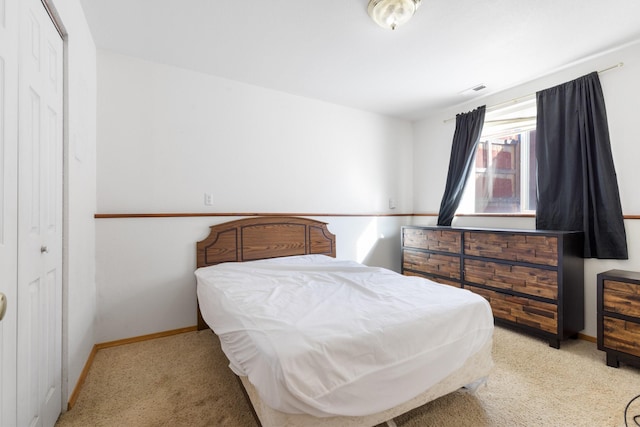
{"x": 327, "y": 337}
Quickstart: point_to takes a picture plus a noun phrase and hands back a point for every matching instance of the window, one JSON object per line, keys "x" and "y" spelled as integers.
{"x": 503, "y": 179}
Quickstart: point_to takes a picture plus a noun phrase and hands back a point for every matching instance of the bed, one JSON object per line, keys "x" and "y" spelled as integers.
{"x": 354, "y": 355}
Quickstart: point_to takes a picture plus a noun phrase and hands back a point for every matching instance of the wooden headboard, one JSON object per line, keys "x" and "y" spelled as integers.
{"x": 263, "y": 237}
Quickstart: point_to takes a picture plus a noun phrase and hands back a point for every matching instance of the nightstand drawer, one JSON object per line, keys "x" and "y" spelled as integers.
{"x": 621, "y": 335}
{"x": 621, "y": 297}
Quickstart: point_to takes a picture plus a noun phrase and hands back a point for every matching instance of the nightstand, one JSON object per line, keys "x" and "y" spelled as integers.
{"x": 619, "y": 316}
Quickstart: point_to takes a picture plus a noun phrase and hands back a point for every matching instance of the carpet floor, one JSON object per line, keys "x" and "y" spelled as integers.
{"x": 183, "y": 380}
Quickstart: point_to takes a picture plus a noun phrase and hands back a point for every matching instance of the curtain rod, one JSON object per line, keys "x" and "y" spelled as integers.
{"x": 515, "y": 100}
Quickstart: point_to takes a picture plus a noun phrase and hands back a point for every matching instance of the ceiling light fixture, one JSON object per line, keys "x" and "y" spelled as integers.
{"x": 392, "y": 13}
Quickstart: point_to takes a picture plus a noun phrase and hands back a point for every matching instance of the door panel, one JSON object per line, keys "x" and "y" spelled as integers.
{"x": 28, "y": 372}
{"x": 39, "y": 218}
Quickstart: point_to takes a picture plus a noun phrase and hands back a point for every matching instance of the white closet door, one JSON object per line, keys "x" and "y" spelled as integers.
{"x": 40, "y": 93}
{"x": 8, "y": 206}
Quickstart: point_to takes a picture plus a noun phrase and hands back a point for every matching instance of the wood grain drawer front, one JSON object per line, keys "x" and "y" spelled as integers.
{"x": 434, "y": 279}
{"x": 438, "y": 264}
{"x": 434, "y": 240}
{"x": 533, "y": 249}
{"x": 523, "y": 311}
{"x": 526, "y": 280}
{"x": 621, "y": 335}
{"x": 621, "y": 297}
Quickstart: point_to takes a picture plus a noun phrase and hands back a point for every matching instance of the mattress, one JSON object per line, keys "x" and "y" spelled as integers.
{"x": 326, "y": 337}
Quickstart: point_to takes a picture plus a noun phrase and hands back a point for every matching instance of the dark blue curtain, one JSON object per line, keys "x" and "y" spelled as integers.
{"x": 463, "y": 150}
{"x": 577, "y": 183}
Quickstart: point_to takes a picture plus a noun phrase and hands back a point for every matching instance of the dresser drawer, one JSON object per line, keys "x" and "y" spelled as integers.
{"x": 434, "y": 240}
{"x": 526, "y": 280}
{"x": 432, "y": 263}
{"x": 523, "y": 311}
{"x": 434, "y": 279}
{"x": 621, "y": 297}
{"x": 621, "y": 335}
{"x": 529, "y": 248}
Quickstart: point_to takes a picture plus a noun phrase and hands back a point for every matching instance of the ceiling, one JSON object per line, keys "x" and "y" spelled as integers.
{"x": 331, "y": 50}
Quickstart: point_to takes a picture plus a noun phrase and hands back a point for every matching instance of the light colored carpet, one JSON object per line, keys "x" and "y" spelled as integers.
{"x": 184, "y": 380}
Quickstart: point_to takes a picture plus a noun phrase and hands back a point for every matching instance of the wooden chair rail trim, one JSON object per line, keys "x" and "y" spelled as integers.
{"x": 247, "y": 214}
{"x": 238, "y": 214}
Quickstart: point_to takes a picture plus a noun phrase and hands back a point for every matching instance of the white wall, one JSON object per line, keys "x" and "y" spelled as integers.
{"x": 168, "y": 135}
{"x": 622, "y": 97}
{"x": 145, "y": 267}
{"x": 79, "y": 309}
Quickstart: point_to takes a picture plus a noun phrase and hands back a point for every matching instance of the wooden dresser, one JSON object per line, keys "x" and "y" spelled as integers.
{"x": 533, "y": 279}
{"x": 619, "y": 316}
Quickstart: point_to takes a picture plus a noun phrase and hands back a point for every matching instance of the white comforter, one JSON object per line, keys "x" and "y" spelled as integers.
{"x": 327, "y": 337}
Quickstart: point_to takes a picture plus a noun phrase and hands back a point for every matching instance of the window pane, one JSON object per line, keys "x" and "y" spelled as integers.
{"x": 498, "y": 184}
{"x": 503, "y": 179}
